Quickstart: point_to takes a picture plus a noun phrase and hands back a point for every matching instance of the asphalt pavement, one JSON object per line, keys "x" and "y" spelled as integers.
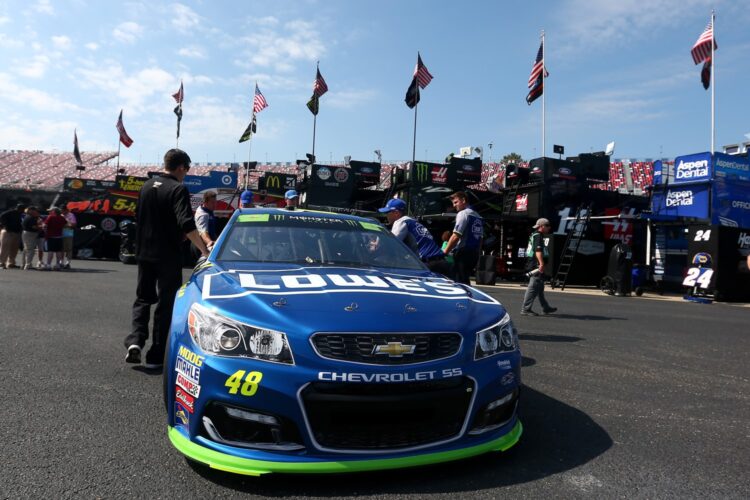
{"x": 623, "y": 397}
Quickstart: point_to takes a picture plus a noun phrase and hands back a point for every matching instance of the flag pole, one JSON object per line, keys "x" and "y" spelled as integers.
{"x": 315, "y": 121}
{"x": 544, "y": 95}
{"x": 414, "y": 141}
{"x": 713, "y": 81}
{"x": 119, "y": 144}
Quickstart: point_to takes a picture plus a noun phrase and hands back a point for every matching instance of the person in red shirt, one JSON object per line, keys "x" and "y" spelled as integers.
{"x": 54, "y": 224}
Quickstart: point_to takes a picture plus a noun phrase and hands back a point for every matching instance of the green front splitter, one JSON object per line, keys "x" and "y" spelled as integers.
{"x": 238, "y": 465}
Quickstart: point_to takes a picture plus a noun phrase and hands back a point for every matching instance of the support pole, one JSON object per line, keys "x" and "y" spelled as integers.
{"x": 713, "y": 82}
{"x": 544, "y": 95}
{"x": 414, "y": 141}
{"x": 315, "y": 122}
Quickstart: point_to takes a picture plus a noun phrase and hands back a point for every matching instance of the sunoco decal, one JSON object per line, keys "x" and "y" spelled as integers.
{"x": 389, "y": 377}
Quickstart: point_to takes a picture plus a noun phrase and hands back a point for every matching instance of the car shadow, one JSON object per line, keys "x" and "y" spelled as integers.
{"x": 556, "y": 438}
{"x": 526, "y": 361}
{"x": 587, "y": 317}
{"x": 85, "y": 270}
{"x": 538, "y": 337}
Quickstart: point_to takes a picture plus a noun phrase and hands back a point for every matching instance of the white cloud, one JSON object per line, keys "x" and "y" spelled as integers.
{"x": 34, "y": 68}
{"x": 62, "y": 42}
{"x": 185, "y": 18}
{"x": 4, "y": 20}
{"x": 27, "y": 96}
{"x": 264, "y": 21}
{"x": 193, "y": 52}
{"x": 127, "y": 32}
{"x": 44, "y": 7}
{"x": 92, "y": 46}
{"x": 298, "y": 41}
{"x": 9, "y": 43}
{"x": 350, "y": 99}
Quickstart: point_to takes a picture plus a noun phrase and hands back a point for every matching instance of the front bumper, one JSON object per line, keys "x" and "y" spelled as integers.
{"x": 305, "y": 465}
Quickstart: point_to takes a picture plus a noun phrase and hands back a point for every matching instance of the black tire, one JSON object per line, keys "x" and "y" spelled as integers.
{"x": 126, "y": 258}
{"x": 638, "y": 291}
{"x": 607, "y": 285}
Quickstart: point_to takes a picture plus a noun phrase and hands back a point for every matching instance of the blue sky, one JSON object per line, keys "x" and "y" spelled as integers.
{"x": 619, "y": 71}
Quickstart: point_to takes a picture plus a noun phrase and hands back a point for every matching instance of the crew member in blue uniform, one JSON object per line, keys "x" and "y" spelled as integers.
{"x": 466, "y": 240}
{"x": 416, "y": 236}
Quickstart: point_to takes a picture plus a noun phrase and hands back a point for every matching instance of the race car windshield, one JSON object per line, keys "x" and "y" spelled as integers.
{"x": 309, "y": 239}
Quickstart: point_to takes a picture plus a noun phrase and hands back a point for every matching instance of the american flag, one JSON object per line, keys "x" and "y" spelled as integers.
{"x": 702, "y": 48}
{"x": 124, "y": 137}
{"x": 320, "y": 87}
{"x": 259, "y": 102}
{"x": 423, "y": 75}
{"x": 536, "y": 79}
{"x": 179, "y": 95}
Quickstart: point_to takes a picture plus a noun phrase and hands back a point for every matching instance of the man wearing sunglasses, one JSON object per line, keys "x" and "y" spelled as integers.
{"x": 164, "y": 218}
{"x": 537, "y": 253}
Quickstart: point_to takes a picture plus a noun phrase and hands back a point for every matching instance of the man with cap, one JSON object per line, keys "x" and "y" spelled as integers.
{"x": 291, "y": 198}
{"x": 415, "y": 236}
{"x": 466, "y": 240}
{"x": 537, "y": 254}
{"x": 246, "y": 199}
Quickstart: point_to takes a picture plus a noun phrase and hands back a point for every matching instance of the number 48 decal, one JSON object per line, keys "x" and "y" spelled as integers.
{"x": 247, "y": 388}
{"x": 698, "y": 275}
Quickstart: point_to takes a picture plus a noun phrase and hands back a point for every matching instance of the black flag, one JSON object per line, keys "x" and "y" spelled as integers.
{"x": 178, "y": 112}
{"x": 412, "y": 94}
{"x": 314, "y": 105}
{"x": 706, "y": 74}
{"x": 250, "y": 130}
{"x": 76, "y": 151}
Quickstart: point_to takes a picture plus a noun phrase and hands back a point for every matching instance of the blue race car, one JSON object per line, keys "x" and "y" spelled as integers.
{"x": 312, "y": 342}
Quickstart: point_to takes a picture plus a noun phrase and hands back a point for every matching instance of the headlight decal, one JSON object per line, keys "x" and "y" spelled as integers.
{"x": 498, "y": 338}
{"x": 218, "y": 335}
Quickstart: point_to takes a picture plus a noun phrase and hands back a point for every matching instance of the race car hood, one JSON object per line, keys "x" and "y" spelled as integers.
{"x": 338, "y": 299}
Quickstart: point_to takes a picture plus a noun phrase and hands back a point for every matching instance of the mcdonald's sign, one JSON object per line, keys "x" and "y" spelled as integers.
{"x": 273, "y": 182}
{"x": 277, "y": 184}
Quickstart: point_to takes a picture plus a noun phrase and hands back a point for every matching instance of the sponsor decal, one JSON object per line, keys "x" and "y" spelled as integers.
{"x": 731, "y": 166}
{"x": 504, "y": 364}
{"x": 564, "y": 171}
{"x": 247, "y": 385}
{"x": 75, "y": 184}
{"x": 389, "y": 377}
{"x": 522, "y": 202}
{"x": 439, "y": 175}
{"x": 191, "y": 386}
{"x": 692, "y": 169}
{"x": 467, "y": 168}
{"x": 341, "y": 174}
{"x": 366, "y": 170}
{"x": 618, "y": 229}
{"x": 185, "y": 399}
{"x": 743, "y": 205}
{"x": 394, "y": 349}
{"x": 181, "y": 415}
{"x": 679, "y": 198}
{"x": 743, "y": 242}
{"x": 108, "y": 224}
{"x": 420, "y": 172}
{"x": 477, "y": 229}
{"x": 226, "y": 180}
{"x": 698, "y": 277}
{"x": 273, "y": 181}
{"x": 508, "y": 378}
{"x": 131, "y": 183}
{"x": 188, "y": 369}
{"x": 189, "y": 355}
{"x": 324, "y": 173}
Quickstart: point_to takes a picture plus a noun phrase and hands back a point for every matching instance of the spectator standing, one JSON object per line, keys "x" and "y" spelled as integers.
{"x": 291, "y": 198}
{"x": 10, "y": 236}
{"x": 68, "y": 233}
{"x": 53, "y": 231}
{"x": 205, "y": 222}
{"x": 537, "y": 255}
{"x": 415, "y": 236}
{"x": 31, "y": 225}
{"x": 164, "y": 217}
{"x": 246, "y": 199}
{"x": 40, "y": 243}
{"x": 466, "y": 240}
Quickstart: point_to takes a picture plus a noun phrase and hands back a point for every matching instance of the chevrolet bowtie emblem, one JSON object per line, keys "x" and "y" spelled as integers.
{"x": 394, "y": 349}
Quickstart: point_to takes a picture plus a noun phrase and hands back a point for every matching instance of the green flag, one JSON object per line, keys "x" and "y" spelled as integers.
{"x": 250, "y": 130}
{"x": 313, "y": 104}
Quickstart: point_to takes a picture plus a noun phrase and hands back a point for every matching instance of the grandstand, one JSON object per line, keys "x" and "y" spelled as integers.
{"x": 40, "y": 170}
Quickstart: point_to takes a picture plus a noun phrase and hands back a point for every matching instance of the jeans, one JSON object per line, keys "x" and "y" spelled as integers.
{"x": 534, "y": 290}
{"x": 464, "y": 262}
{"x": 157, "y": 284}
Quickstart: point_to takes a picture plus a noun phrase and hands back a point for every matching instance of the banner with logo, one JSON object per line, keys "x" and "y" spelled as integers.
{"x": 468, "y": 170}
{"x": 730, "y": 203}
{"x": 87, "y": 185}
{"x": 681, "y": 201}
{"x": 691, "y": 168}
{"x": 366, "y": 173}
{"x": 214, "y": 180}
{"x": 275, "y": 183}
{"x": 731, "y": 167}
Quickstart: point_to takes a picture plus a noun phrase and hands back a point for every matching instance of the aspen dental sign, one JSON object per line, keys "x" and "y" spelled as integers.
{"x": 692, "y": 168}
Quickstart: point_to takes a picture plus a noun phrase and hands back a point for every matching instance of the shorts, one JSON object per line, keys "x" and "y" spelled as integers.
{"x": 54, "y": 244}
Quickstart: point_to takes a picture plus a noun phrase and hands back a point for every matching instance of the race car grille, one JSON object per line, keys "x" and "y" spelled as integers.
{"x": 361, "y": 347}
{"x": 386, "y": 416}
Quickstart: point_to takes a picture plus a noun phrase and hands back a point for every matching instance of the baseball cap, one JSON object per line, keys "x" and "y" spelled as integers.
{"x": 393, "y": 204}
{"x": 541, "y": 222}
{"x": 246, "y": 197}
{"x": 291, "y": 194}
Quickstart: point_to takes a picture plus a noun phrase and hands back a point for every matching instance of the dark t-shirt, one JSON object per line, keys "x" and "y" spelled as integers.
{"x": 536, "y": 244}
{"x": 164, "y": 216}
{"x": 11, "y": 220}
{"x": 55, "y": 224}
{"x": 29, "y": 223}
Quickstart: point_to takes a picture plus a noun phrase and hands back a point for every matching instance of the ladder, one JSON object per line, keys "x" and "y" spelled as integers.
{"x": 510, "y": 197}
{"x": 570, "y": 249}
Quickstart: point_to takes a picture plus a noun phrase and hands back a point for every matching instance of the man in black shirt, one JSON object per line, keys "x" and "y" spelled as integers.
{"x": 10, "y": 236}
{"x": 164, "y": 217}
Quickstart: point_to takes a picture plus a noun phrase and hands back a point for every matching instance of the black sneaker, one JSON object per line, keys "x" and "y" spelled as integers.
{"x": 551, "y": 310}
{"x": 528, "y": 313}
{"x": 134, "y": 354}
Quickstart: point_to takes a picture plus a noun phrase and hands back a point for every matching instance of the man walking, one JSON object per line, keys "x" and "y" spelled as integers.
{"x": 164, "y": 217}
{"x": 10, "y": 236}
{"x": 537, "y": 254}
{"x": 416, "y": 236}
{"x": 466, "y": 239}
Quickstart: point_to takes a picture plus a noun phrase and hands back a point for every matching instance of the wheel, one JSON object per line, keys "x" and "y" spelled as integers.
{"x": 638, "y": 291}
{"x": 607, "y": 285}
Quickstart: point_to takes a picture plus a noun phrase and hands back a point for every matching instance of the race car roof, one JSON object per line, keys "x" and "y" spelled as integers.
{"x": 283, "y": 211}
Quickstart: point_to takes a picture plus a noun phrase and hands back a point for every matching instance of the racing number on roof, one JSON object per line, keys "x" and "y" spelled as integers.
{"x": 249, "y": 387}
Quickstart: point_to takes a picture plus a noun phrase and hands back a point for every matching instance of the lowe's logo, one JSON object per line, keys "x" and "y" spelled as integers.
{"x": 692, "y": 169}
{"x": 680, "y": 198}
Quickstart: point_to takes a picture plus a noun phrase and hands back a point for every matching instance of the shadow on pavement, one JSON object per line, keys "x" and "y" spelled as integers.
{"x": 84, "y": 270}
{"x": 526, "y": 361}
{"x": 548, "y": 338}
{"x": 589, "y": 317}
{"x": 556, "y": 438}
